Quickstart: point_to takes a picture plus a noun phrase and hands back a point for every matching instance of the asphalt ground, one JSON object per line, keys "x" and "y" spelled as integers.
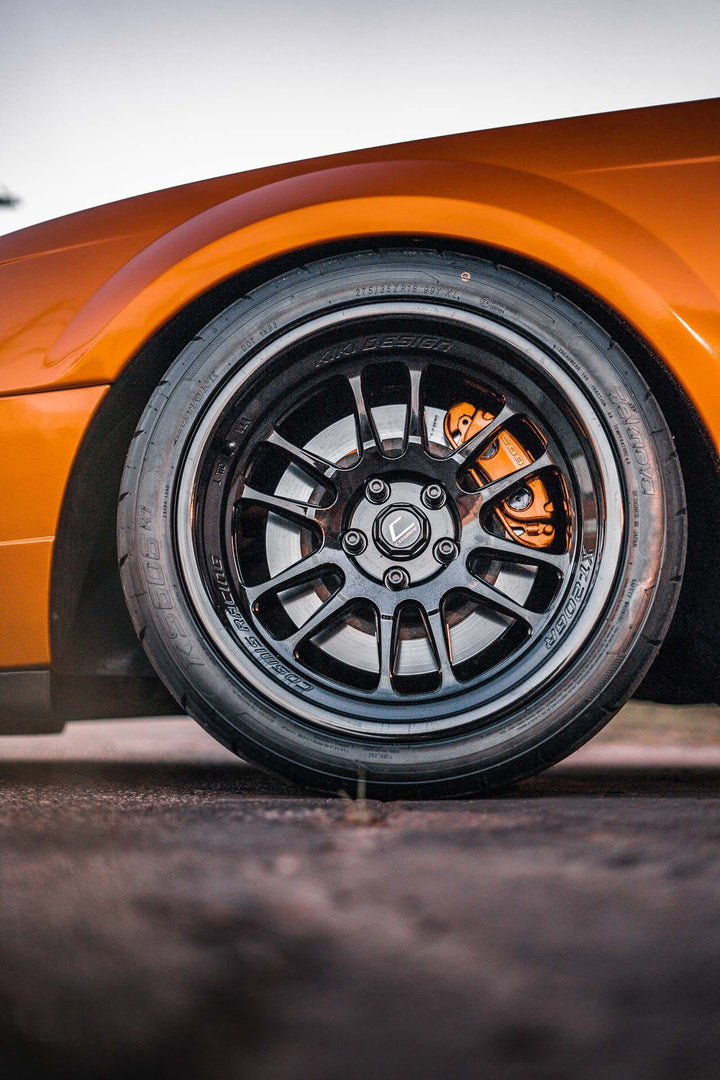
{"x": 168, "y": 911}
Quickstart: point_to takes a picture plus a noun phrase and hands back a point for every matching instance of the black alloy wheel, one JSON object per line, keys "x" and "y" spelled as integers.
{"x": 405, "y": 516}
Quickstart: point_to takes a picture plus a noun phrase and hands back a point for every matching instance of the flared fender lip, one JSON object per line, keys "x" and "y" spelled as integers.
{"x": 544, "y": 219}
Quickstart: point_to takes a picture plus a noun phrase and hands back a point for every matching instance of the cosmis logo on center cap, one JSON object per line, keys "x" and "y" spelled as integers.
{"x": 400, "y": 528}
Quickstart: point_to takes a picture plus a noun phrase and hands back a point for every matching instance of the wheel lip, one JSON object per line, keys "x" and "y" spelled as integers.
{"x": 227, "y": 645}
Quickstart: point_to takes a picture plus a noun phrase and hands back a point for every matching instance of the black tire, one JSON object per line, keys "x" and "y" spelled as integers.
{"x": 560, "y": 661}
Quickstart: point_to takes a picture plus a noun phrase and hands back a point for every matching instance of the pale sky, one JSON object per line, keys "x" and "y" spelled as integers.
{"x": 105, "y": 100}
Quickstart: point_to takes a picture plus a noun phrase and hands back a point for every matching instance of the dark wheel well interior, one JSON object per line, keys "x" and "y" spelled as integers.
{"x": 99, "y": 667}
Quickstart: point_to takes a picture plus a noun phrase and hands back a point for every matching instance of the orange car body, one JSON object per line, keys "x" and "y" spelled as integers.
{"x": 623, "y": 204}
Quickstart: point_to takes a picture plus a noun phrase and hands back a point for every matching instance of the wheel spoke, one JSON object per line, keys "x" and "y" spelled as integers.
{"x": 439, "y": 638}
{"x": 414, "y": 419}
{"x": 279, "y": 504}
{"x": 455, "y": 576}
{"x": 511, "y": 551}
{"x": 311, "y": 461}
{"x": 499, "y": 489}
{"x": 475, "y": 446}
{"x": 387, "y": 650}
{"x": 322, "y": 615}
{"x": 301, "y": 571}
{"x": 366, "y": 431}
{"x": 502, "y": 603}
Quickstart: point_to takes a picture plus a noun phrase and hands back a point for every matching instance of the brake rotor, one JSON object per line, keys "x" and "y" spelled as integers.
{"x": 526, "y": 515}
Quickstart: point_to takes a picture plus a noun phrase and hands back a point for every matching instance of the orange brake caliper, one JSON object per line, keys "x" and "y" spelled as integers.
{"x": 526, "y": 515}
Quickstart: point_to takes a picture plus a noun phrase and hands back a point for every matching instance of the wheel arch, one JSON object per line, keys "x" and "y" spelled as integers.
{"x": 113, "y": 676}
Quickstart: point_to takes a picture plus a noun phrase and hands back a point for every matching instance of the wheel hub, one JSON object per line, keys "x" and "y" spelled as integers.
{"x": 398, "y": 531}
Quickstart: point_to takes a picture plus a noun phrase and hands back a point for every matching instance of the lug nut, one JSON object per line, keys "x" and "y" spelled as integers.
{"x": 377, "y": 490}
{"x": 520, "y": 499}
{"x": 433, "y": 496}
{"x": 445, "y": 550}
{"x": 354, "y": 542}
{"x": 396, "y": 578}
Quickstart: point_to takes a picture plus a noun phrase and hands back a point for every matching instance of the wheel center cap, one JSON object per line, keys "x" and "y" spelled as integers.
{"x": 401, "y": 531}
